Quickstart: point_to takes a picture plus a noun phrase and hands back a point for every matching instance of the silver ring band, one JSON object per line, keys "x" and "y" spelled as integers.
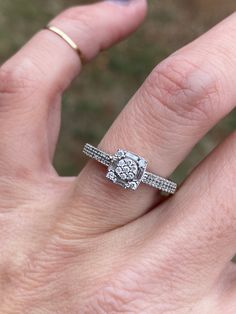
{"x": 129, "y": 170}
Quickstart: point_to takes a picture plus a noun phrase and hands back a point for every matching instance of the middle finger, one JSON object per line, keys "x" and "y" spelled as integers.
{"x": 179, "y": 102}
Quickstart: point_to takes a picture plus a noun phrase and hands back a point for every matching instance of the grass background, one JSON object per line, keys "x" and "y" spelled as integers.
{"x": 95, "y": 99}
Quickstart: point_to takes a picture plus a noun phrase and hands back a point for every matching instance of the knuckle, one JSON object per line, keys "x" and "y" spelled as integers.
{"x": 18, "y": 80}
{"x": 185, "y": 88}
{"x": 120, "y": 295}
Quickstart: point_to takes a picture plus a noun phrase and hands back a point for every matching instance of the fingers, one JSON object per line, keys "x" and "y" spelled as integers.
{"x": 196, "y": 233}
{"x": 179, "y": 102}
{"x": 212, "y": 191}
{"x": 33, "y": 80}
{"x": 227, "y": 289}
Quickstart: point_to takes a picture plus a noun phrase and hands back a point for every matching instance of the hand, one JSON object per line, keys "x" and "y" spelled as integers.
{"x": 84, "y": 245}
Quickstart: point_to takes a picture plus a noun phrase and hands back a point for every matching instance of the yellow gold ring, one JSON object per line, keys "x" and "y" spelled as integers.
{"x": 67, "y": 39}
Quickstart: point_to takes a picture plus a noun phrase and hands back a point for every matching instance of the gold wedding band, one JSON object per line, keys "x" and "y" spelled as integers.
{"x": 67, "y": 39}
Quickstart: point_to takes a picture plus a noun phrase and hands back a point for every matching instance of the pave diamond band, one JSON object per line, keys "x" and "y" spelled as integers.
{"x": 129, "y": 170}
{"x": 97, "y": 154}
{"x": 159, "y": 183}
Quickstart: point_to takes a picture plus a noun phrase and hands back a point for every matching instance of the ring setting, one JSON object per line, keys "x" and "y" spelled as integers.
{"x": 129, "y": 170}
{"x": 126, "y": 169}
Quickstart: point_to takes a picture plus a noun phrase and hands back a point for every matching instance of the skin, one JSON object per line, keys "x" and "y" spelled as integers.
{"x": 83, "y": 245}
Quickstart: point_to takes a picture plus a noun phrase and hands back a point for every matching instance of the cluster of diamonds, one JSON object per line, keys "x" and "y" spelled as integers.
{"x": 126, "y": 169}
{"x": 159, "y": 183}
{"x": 97, "y": 154}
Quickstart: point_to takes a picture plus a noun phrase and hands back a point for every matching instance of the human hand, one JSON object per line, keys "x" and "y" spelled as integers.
{"x": 83, "y": 245}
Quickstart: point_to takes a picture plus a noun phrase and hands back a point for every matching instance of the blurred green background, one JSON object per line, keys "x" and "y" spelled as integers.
{"x": 95, "y": 99}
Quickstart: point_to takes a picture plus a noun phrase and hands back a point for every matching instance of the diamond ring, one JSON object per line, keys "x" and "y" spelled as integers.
{"x": 129, "y": 170}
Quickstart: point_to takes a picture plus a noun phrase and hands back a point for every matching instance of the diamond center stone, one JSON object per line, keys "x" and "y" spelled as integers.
{"x": 126, "y": 169}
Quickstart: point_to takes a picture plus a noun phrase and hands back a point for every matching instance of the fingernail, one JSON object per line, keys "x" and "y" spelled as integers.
{"x": 121, "y": 1}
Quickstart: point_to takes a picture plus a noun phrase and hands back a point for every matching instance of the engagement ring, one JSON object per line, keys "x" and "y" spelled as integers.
{"x": 129, "y": 170}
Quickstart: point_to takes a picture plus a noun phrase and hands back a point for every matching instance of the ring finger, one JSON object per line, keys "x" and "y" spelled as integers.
{"x": 179, "y": 102}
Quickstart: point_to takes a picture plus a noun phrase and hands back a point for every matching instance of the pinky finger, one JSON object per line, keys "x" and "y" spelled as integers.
{"x": 33, "y": 80}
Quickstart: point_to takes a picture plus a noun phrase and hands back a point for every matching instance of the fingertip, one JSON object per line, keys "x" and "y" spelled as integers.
{"x": 130, "y": 6}
{"x": 124, "y": 16}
